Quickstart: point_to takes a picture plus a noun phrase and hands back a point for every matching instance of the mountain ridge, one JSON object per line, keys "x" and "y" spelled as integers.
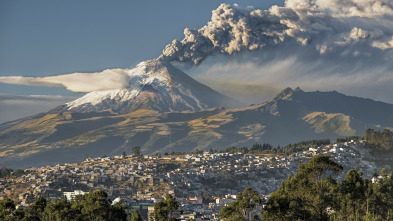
{"x": 291, "y": 116}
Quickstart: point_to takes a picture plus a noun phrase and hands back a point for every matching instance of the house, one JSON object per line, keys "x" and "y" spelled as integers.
{"x": 71, "y": 195}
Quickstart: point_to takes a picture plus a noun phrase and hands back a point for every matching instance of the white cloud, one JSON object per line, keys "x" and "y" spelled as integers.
{"x": 384, "y": 44}
{"x": 77, "y": 82}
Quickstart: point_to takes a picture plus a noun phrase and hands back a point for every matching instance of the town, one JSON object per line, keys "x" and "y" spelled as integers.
{"x": 203, "y": 181}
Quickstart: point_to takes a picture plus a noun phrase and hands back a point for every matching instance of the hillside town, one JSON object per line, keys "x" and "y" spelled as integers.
{"x": 202, "y": 182}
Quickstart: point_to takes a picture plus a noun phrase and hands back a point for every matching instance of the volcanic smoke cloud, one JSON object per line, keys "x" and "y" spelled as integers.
{"x": 343, "y": 45}
{"x": 327, "y": 26}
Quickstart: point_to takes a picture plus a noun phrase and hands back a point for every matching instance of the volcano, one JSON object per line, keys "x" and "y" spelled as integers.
{"x": 153, "y": 85}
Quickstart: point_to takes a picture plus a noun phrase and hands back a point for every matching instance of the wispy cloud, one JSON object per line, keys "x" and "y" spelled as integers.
{"x": 257, "y": 81}
{"x": 77, "y": 82}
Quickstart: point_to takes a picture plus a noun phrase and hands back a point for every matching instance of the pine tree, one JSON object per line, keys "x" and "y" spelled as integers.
{"x": 136, "y": 215}
{"x": 308, "y": 194}
{"x": 246, "y": 201}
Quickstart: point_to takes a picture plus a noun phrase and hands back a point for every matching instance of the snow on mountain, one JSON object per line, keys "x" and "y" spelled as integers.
{"x": 153, "y": 85}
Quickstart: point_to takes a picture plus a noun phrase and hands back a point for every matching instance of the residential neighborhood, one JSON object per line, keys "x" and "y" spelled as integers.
{"x": 202, "y": 182}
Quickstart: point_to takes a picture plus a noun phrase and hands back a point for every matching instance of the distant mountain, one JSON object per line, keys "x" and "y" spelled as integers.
{"x": 154, "y": 85}
{"x": 291, "y": 116}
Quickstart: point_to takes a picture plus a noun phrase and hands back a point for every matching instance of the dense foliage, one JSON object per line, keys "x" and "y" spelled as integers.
{"x": 304, "y": 145}
{"x": 165, "y": 210}
{"x": 136, "y": 215}
{"x": 348, "y": 139}
{"x": 92, "y": 206}
{"x": 307, "y": 195}
{"x": 241, "y": 209}
{"x": 314, "y": 194}
{"x": 379, "y": 140}
{"x": 269, "y": 149}
{"x": 10, "y": 173}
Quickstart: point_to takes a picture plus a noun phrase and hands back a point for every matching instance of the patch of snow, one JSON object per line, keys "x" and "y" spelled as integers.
{"x": 145, "y": 73}
{"x": 170, "y": 90}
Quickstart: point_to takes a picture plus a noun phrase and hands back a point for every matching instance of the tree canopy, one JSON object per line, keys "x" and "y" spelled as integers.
{"x": 165, "y": 210}
{"x": 313, "y": 193}
{"x": 92, "y": 206}
{"x": 308, "y": 194}
{"x": 242, "y": 208}
{"x": 136, "y": 215}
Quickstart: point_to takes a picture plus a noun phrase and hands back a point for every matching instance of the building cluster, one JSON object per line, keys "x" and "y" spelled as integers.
{"x": 202, "y": 183}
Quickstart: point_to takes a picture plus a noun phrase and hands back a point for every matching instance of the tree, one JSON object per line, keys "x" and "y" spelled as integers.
{"x": 379, "y": 141}
{"x": 136, "y": 215}
{"x": 165, "y": 210}
{"x": 96, "y": 206}
{"x": 246, "y": 201}
{"x": 19, "y": 214}
{"x": 59, "y": 210}
{"x": 384, "y": 173}
{"x": 381, "y": 202}
{"x": 7, "y": 208}
{"x": 92, "y": 206}
{"x": 308, "y": 194}
{"x": 36, "y": 210}
{"x": 8, "y": 211}
{"x": 352, "y": 195}
{"x": 117, "y": 211}
{"x": 206, "y": 197}
{"x": 172, "y": 205}
{"x": 160, "y": 211}
{"x": 5, "y": 172}
{"x": 368, "y": 193}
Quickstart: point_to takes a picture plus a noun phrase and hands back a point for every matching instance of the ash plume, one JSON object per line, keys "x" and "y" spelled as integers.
{"x": 326, "y": 26}
{"x": 343, "y": 45}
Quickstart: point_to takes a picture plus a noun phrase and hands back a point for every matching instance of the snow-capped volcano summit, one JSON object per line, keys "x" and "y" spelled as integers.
{"x": 153, "y": 85}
